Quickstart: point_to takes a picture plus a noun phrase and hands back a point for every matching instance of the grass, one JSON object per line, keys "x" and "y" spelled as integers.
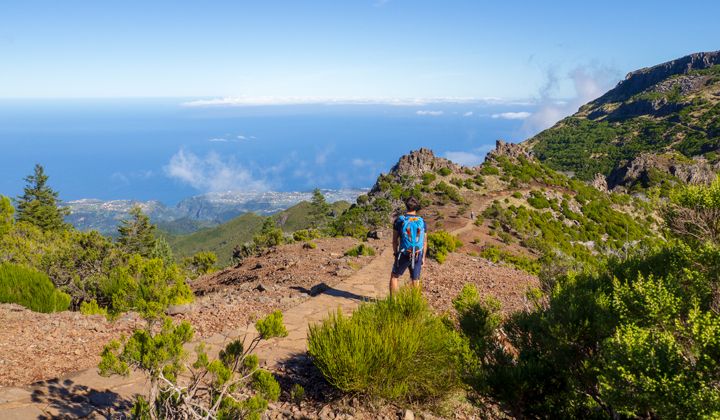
{"x": 360, "y": 250}
{"x": 395, "y": 349}
{"x": 31, "y": 289}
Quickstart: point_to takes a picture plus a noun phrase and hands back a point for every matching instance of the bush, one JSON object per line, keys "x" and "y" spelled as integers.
{"x": 360, "y": 250}
{"x": 304, "y": 235}
{"x": 213, "y": 388}
{"x": 200, "y": 263}
{"x": 297, "y": 394}
{"x": 444, "y": 190}
{"x": 147, "y": 286}
{"x": 31, "y": 289}
{"x": 92, "y": 308}
{"x": 444, "y": 171}
{"x": 428, "y": 178}
{"x": 394, "y": 349}
{"x": 440, "y": 244}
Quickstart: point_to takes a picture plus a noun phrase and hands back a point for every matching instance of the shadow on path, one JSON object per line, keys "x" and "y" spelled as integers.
{"x": 324, "y": 289}
{"x": 68, "y": 400}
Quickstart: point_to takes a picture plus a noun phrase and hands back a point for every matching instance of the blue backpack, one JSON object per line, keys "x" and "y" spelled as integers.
{"x": 412, "y": 235}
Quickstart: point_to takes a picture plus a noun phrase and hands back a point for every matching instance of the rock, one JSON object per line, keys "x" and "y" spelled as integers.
{"x": 261, "y": 288}
{"x": 415, "y": 164}
{"x": 179, "y": 309}
{"x": 408, "y": 415}
{"x": 600, "y": 183}
{"x": 375, "y": 234}
{"x": 641, "y": 170}
{"x": 326, "y": 413}
{"x": 509, "y": 150}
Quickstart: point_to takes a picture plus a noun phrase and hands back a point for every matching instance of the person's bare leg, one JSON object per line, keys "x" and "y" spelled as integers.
{"x": 393, "y": 284}
{"x": 417, "y": 284}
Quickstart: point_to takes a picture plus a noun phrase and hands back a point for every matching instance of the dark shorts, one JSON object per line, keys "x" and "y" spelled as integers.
{"x": 403, "y": 263}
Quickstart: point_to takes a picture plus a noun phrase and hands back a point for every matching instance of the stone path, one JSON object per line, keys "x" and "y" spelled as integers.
{"x": 86, "y": 394}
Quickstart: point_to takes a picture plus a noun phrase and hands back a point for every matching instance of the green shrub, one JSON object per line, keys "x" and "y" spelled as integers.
{"x": 444, "y": 171}
{"x": 92, "y": 308}
{"x": 200, "y": 263}
{"x": 360, "y": 250}
{"x": 444, "y": 190}
{"x": 297, "y": 394}
{"x": 147, "y": 286}
{"x": 266, "y": 385}
{"x": 31, "y": 289}
{"x": 440, "y": 244}
{"x": 304, "y": 235}
{"x": 310, "y": 245}
{"x": 394, "y": 349}
{"x": 428, "y": 178}
{"x": 495, "y": 254}
{"x": 538, "y": 200}
{"x": 488, "y": 169}
{"x": 215, "y": 388}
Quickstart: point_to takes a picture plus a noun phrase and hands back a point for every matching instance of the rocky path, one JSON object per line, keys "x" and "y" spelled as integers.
{"x": 86, "y": 394}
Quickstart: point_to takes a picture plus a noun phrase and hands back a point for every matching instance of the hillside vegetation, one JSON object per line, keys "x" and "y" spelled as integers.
{"x": 671, "y": 110}
{"x": 223, "y": 239}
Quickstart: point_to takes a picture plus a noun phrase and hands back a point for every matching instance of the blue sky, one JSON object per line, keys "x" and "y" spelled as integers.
{"x": 336, "y": 49}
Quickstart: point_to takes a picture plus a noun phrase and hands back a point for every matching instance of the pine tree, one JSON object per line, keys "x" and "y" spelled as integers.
{"x": 6, "y": 215}
{"x": 137, "y": 234}
{"x": 39, "y": 203}
{"x": 319, "y": 209}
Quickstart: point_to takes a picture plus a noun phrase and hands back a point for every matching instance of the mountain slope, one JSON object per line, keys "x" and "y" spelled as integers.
{"x": 660, "y": 123}
{"x": 222, "y": 239}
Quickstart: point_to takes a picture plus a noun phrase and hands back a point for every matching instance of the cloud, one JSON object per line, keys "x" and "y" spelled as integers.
{"x": 128, "y": 177}
{"x": 211, "y": 173}
{"x": 362, "y": 162}
{"x": 430, "y": 113}
{"x": 468, "y": 114}
{"x": 512, "y": 115}
{"x": 321, "y": 156}
{"x": 589, "y": 82}
{"x": 464, "y": 158}
{"x": 240, "y": 101}
{"x": 218, "y": 140}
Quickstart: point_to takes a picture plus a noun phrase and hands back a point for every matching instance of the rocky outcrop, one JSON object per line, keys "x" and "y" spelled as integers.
{"x": 645, "y": 168}
{"x": 640, "y": 80}
{"x": 420, "y": 161}
{"x": 600, "y": 183}
{"x": 513, "y": 151}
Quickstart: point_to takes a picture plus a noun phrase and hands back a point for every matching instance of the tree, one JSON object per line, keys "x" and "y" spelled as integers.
{"x": 205, "y": 389}
{"x": 694, "y": 214}
{"x": 137, "y": 234}
{"x": 319, "y": 209}
{"x": 39, "y": 203}
{"x": 6, "y": 215}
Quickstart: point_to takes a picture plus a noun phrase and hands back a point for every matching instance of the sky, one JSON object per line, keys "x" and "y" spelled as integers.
{"x": 278, "y": 51}
{"x": 167, "y": 99}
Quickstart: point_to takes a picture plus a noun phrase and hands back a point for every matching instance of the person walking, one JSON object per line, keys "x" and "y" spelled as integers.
{"x": 409, "y": 245}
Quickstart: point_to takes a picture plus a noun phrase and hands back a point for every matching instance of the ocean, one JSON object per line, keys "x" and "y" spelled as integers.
{"x": 158, "y": 149}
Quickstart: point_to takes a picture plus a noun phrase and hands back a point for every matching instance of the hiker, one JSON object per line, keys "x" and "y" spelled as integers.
{"x": 409, "y": 244}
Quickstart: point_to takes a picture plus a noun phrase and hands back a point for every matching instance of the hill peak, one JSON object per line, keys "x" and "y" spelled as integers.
{"x": 639, "y": 80}
{"x": 420, "y": 161}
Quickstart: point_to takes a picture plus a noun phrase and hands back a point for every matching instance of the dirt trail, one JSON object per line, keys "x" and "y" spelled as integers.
{"x": 86, "y": 394}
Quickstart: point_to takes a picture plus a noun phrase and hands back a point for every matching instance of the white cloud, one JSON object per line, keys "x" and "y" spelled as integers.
{"x": 362, "y": 162}
{"x": 464, "y": 158}
{"x": 589, "y": 82}
{"x": 468, "y": 114}
{"x": 211, "y": 173}
{"x": 512, "y": 115}
{"x": 430, "y": 113}
{"x": 218, "y": 140}
{"x": 239, "y": 101}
